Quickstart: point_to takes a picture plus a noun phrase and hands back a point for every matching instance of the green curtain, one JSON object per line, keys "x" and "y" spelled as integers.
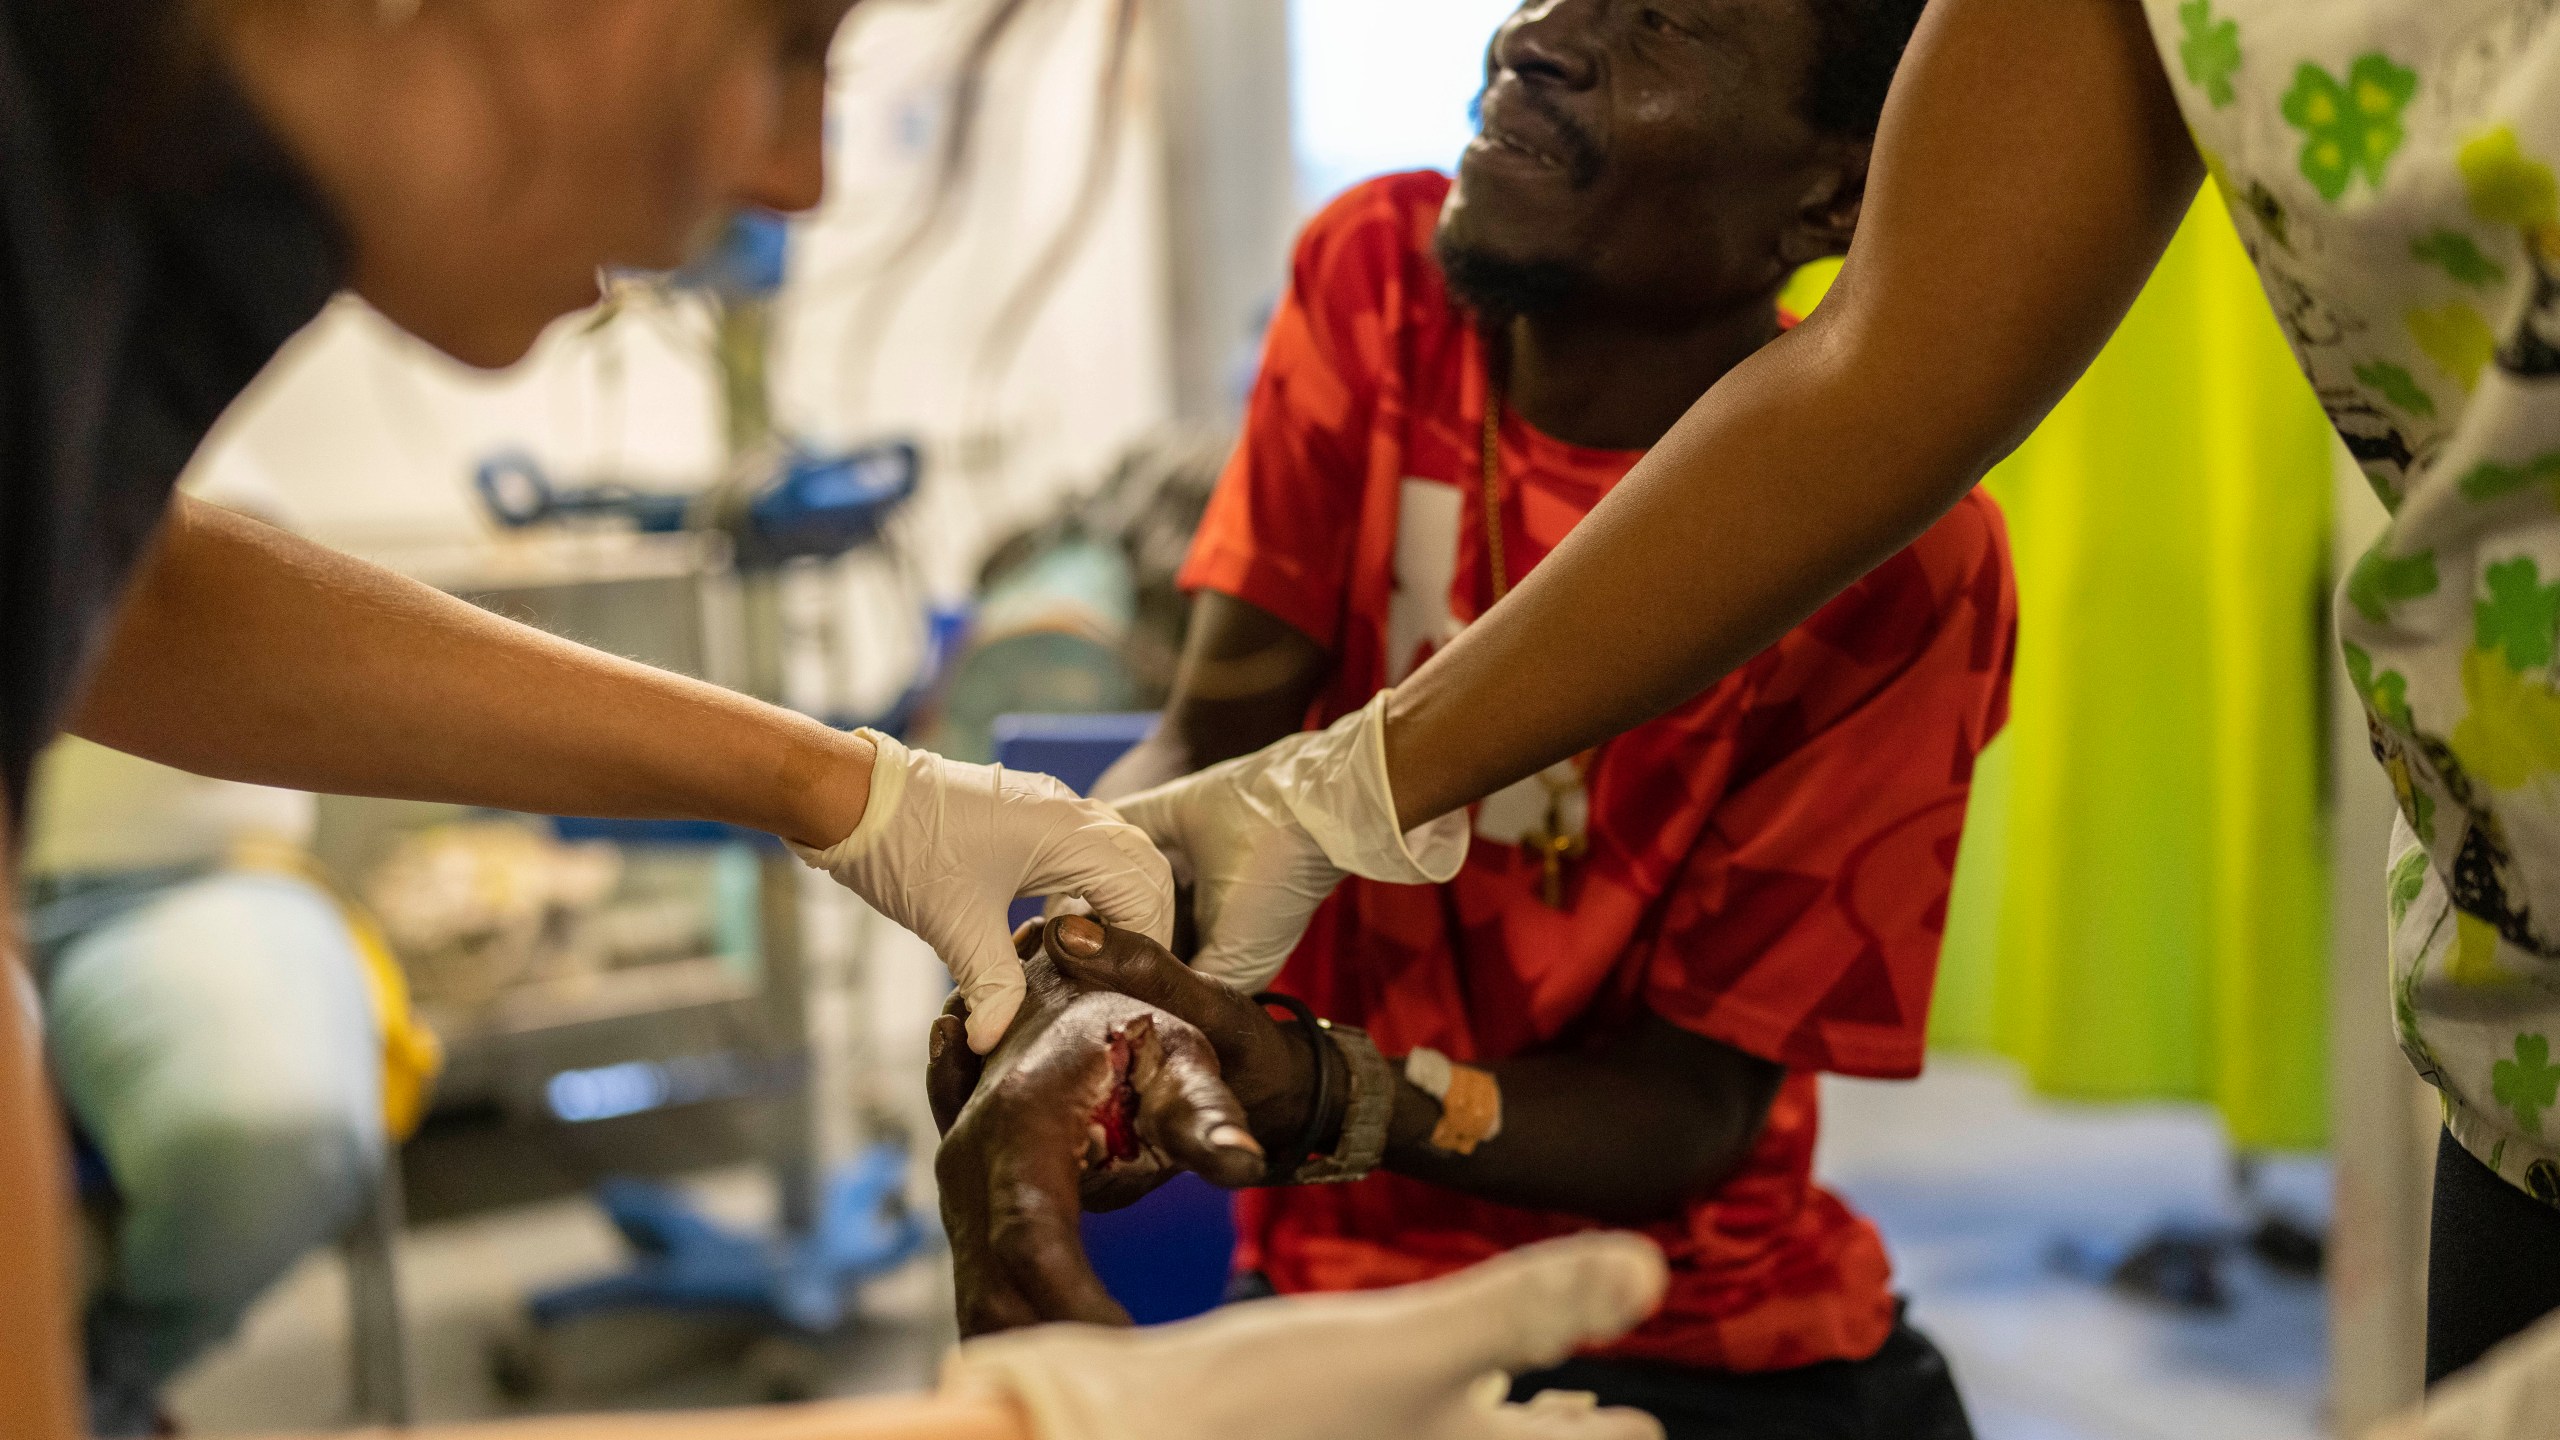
{"x": 2141, "y": 901}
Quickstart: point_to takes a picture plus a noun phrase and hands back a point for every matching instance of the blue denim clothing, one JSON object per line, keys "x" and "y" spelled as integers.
{"x": 213, "y": 1037}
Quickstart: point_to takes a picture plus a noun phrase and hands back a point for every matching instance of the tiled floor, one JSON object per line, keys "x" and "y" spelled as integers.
{"x": 1973, "y": 1184}
{"x": 1976, "y": 1187}
{"x": 464, "y": 1283}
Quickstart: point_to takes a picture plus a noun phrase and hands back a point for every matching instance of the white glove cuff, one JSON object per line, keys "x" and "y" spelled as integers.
{"x": 888, "y": 789}
{"x": 1365, "y": 841}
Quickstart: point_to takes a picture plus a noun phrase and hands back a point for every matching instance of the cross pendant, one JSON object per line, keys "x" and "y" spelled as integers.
{"x": 1554, "y": 848}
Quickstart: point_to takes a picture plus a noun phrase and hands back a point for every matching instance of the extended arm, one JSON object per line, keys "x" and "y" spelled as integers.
{"x": 247, "y": 653}
{"x": 904, "y": 1417}
{"x": 2030, "y": 169}
{"x": 1407, "y": 1362}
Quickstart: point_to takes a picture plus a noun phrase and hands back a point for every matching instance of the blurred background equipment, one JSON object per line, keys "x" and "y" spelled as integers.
{"x": 841, "y": 1214}
{"x": 1077, "y": 613}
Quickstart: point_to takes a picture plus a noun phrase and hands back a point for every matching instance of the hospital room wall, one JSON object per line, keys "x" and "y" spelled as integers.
{"x": 372, "y": 439}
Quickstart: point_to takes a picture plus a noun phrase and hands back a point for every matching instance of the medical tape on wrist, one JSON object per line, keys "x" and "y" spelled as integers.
{"x": 1428, "y": 854}
{"x": 888, "y": 789}
{"x": 1470, "y": 1100}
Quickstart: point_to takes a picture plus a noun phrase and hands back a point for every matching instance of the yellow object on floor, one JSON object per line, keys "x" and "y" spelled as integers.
{"x": 412, "y": 1056}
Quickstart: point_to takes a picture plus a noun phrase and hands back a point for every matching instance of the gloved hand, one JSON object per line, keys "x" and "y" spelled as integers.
{"x": 943, "y": 848}
{"x": 1417, "y": 1363}
{"x": 1265, "y": 837}
{"x": 2512, "y": 1393}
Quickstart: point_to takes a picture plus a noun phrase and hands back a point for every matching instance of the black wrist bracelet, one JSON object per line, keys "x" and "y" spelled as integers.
{"x": 1278, "y": 1168}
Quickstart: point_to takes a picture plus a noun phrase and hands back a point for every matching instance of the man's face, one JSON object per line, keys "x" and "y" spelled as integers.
{"x": 1649, "y": 151}
{"x": 561, "y": 140}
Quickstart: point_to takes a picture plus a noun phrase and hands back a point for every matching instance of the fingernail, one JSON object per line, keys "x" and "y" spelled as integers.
{"x": 936, "y": 1042}
{"x": 1079, "y": 937}
{"x": 1235, "y": 1137}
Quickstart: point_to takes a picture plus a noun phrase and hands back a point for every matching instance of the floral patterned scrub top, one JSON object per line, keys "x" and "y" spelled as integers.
{"x": 2390, "y": 165}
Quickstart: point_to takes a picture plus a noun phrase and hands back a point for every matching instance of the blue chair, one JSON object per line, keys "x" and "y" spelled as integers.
{"x": 1168, "y": 1256}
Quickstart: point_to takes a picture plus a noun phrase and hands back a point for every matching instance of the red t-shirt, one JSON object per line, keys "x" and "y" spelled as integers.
{"x": 1769, "y": 863}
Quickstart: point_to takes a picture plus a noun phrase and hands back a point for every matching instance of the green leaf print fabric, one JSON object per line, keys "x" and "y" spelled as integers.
{"x": 2349, "y": 129}
{"x": 2389, "y": 167}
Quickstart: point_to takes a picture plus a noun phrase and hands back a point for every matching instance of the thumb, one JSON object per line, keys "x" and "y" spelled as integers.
{"x": 1186, "y": 1110}
{"x": 1533, "y": 1307}
{"x": 989, "y": 975}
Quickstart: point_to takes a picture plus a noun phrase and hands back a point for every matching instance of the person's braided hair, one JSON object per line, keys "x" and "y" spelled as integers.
{"x": 1858, "y": 44}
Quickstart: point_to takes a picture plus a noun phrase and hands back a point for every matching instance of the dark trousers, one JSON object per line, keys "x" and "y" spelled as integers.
{"x": 1902, "y": 1392}
{"x": 2493, "y": 1262}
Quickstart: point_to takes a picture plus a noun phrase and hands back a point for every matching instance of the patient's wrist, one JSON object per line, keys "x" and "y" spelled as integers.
{"x": 1279, "y": 1120}
{"x": 1337, "y": 1091}
{"x": 1367, "y": 1088}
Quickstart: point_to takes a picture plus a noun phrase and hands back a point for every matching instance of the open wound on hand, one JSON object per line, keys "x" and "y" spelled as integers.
{"x": 1111, "y": 1130}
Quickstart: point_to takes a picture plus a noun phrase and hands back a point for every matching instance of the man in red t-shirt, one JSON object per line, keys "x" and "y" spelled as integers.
{"x": 1653, "y": 948}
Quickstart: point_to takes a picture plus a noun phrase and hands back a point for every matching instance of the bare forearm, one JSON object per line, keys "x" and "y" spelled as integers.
{"x": 2013, "y": 213}
{"x": 1595, "y": 1136}
{"x": 249, "y": 654}
{"x": 906, "y": 1417}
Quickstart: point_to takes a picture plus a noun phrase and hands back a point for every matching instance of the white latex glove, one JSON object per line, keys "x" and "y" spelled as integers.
{"x": 943, "y": 848}
{"x": 1265, "y": 837}
{"x": 1419, "y": 1363}
{"x": 2513, "y": 1393}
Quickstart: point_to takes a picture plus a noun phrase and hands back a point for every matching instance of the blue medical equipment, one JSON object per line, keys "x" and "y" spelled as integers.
{"x": 811, "y": 506}
{"x": 821, "y": 506}
{"x": 804, "y": 1279}
{"x": 518, "y": 494}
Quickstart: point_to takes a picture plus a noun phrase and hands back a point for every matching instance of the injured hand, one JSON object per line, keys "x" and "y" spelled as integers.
{"x": 1266, "y": 1063}
{"x": 1092, "y": 1100}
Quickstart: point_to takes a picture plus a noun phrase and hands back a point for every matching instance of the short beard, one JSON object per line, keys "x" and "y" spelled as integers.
{"x": 1499, "y": 289}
